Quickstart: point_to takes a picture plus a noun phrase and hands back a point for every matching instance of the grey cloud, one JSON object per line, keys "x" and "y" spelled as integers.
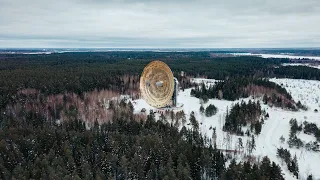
{"x": 124, "y": 23}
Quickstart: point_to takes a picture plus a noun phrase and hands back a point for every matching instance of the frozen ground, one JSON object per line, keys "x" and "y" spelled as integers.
{"x": 277, "y": 56}
{"x": 308, "y": 92}
{"x": 300, "y": 64}
{"x": 208, "y": 82}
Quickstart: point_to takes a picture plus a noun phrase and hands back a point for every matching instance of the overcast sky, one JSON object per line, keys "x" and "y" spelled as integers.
{"x": 160, "y": 23}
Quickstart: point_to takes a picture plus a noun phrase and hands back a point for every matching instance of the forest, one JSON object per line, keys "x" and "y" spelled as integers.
{"x": 80, "y": 72}
{"x": 35, "y": 148}
{"x": 51, "y": 125}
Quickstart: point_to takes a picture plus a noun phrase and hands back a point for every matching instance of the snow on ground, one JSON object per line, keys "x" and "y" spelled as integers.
{"x": 277, "y": 56}
{"x": 278, "y": 125}
{"x": 139, "y": 104}
{"x": 203, "y": 80}
{"x": 300, "y": 64}
{"x": 305, "y": 91}
{"x": 308, "y": 92}
{"x": 288, "y": 56}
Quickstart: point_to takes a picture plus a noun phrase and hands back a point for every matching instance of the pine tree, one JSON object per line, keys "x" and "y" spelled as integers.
{"x": 172, "y": 115}
{"x": 183, "y": 170}
{"x": 123, "y": 169}
{"x": 294, "y": 126}
{"x": 275, "y": 173}
{"x": 231, "y": 171}
{"x": 163, "y": 118}
{"x": 247, "y": 132}
{"x": 211, "y": 110}
{"x": 177, "y": 123}
{"x": 310, "y": 177}
{"x": 194, "y": 122}
{"x": 265, "y": 99}
{"x": 257, "y": 127}
{"x": 203, "y": 89}
{"x": 265, "y": 167}
{"x": 201, "y": 109}
{"x": 295, "y": 167}
{"x": 205, "y": 99}
{"x": 282, "y": 139}
{"x": 262, "y": 121}
{"x": 248, "y": 146}
{"x": 152, "y": 173}
{"x": 151, "y": 116}
{"x": 170, "y": 173}
{"x": 255, "y": 172}
{"x": 214, "y": 137}
{"x": 253, "y": 143}
{"x": 17, "y": 173}
{"x": 240, "y": 144}
{"x": 184, "y": 119}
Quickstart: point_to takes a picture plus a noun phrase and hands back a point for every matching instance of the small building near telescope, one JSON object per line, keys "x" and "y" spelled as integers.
{"x": 175, "y": 92}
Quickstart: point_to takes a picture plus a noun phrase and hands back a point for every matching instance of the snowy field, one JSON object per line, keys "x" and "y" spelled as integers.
{"x": 308, "y": 92}
{"x": 300, "y": 64}
{"x": 278, "y": 56}
{"x": 208, "y": 82}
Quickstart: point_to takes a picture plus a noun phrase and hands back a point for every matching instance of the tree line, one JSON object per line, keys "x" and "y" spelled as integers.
{"x": 236, "y": 88}
{"x": 80, "y": 72}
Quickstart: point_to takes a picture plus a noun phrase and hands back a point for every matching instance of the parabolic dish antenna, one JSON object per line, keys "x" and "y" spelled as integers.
{"x": 157, "y": 84}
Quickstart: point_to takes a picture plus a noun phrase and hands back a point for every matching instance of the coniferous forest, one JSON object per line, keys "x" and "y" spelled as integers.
{"x": 49, "y": 114}
{"x": 125, "y": 149}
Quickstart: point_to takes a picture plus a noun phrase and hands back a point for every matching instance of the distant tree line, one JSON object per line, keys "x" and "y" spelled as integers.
{"x": 81, "y": 72}
{"x": 233, "y": 89}
{"x": 297, "y": 72}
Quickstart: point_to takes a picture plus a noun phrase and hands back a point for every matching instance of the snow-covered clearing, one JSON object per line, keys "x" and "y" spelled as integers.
{"x": 300, "y": 64}
{"x": 308, "y": 92}
{"x": 277, "y": 56}
{"x": 208, "y": 82}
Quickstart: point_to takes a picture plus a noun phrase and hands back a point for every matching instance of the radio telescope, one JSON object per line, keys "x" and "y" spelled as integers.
{"x": 158, "y": 86}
